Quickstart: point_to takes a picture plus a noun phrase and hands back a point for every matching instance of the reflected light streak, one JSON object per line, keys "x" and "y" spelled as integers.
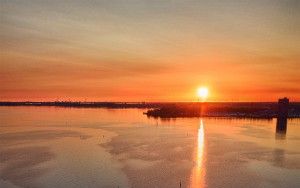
{"x": 198, "y": 173}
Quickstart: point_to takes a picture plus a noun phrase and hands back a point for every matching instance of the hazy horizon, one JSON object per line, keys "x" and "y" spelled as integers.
{"x": 1, "y": 101}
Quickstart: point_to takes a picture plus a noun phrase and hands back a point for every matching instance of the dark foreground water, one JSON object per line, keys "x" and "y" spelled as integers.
{"x": 103, "y": 148}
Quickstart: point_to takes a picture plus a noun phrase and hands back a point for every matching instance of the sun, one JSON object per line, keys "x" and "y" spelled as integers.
{"x": 202, "y": 93}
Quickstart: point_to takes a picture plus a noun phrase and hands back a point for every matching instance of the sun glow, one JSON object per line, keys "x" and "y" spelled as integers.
{"x": 202, "y": 93}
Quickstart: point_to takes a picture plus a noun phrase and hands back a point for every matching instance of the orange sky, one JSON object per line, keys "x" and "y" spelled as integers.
{"x": 149, "y": 50}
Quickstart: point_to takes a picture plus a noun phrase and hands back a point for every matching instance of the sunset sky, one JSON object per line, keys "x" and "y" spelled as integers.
{"x": 144, "y": 50}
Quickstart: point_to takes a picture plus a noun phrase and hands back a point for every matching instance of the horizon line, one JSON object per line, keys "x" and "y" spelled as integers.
{"x": 143, "y": 101}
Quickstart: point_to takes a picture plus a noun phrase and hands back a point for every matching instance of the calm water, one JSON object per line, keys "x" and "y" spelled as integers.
{"x": 69, "y": 147}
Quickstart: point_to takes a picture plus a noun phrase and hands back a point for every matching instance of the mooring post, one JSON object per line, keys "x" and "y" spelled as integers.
{"x": 282, "y": 115}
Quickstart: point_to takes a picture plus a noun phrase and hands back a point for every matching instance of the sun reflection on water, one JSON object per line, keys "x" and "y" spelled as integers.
{"x": 198, "y": 173}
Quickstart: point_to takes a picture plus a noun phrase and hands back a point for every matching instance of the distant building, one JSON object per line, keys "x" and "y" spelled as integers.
{"x": 283, "y": 107}
{"x": 282, "y": 115}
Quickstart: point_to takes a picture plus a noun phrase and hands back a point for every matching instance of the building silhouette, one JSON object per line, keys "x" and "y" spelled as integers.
{"x": 282, "y": 115}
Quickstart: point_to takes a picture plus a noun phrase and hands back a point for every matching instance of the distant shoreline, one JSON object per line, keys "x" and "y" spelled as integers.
{"x": 264, "y": 110}
{"x": 105, "y": 103}
{"x": 85, "y": 104}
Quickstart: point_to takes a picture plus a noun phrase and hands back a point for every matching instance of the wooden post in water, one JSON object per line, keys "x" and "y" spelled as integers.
{"x": 282, "y": 115}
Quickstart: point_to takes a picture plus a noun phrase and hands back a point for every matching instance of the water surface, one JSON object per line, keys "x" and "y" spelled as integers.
{"x": 73, "y": 147}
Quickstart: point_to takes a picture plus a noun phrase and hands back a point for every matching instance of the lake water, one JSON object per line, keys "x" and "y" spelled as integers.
{"x": 71, "y": 147}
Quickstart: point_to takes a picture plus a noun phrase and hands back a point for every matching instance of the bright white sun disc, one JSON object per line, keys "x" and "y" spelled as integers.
{"x": 202, "y": 92}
